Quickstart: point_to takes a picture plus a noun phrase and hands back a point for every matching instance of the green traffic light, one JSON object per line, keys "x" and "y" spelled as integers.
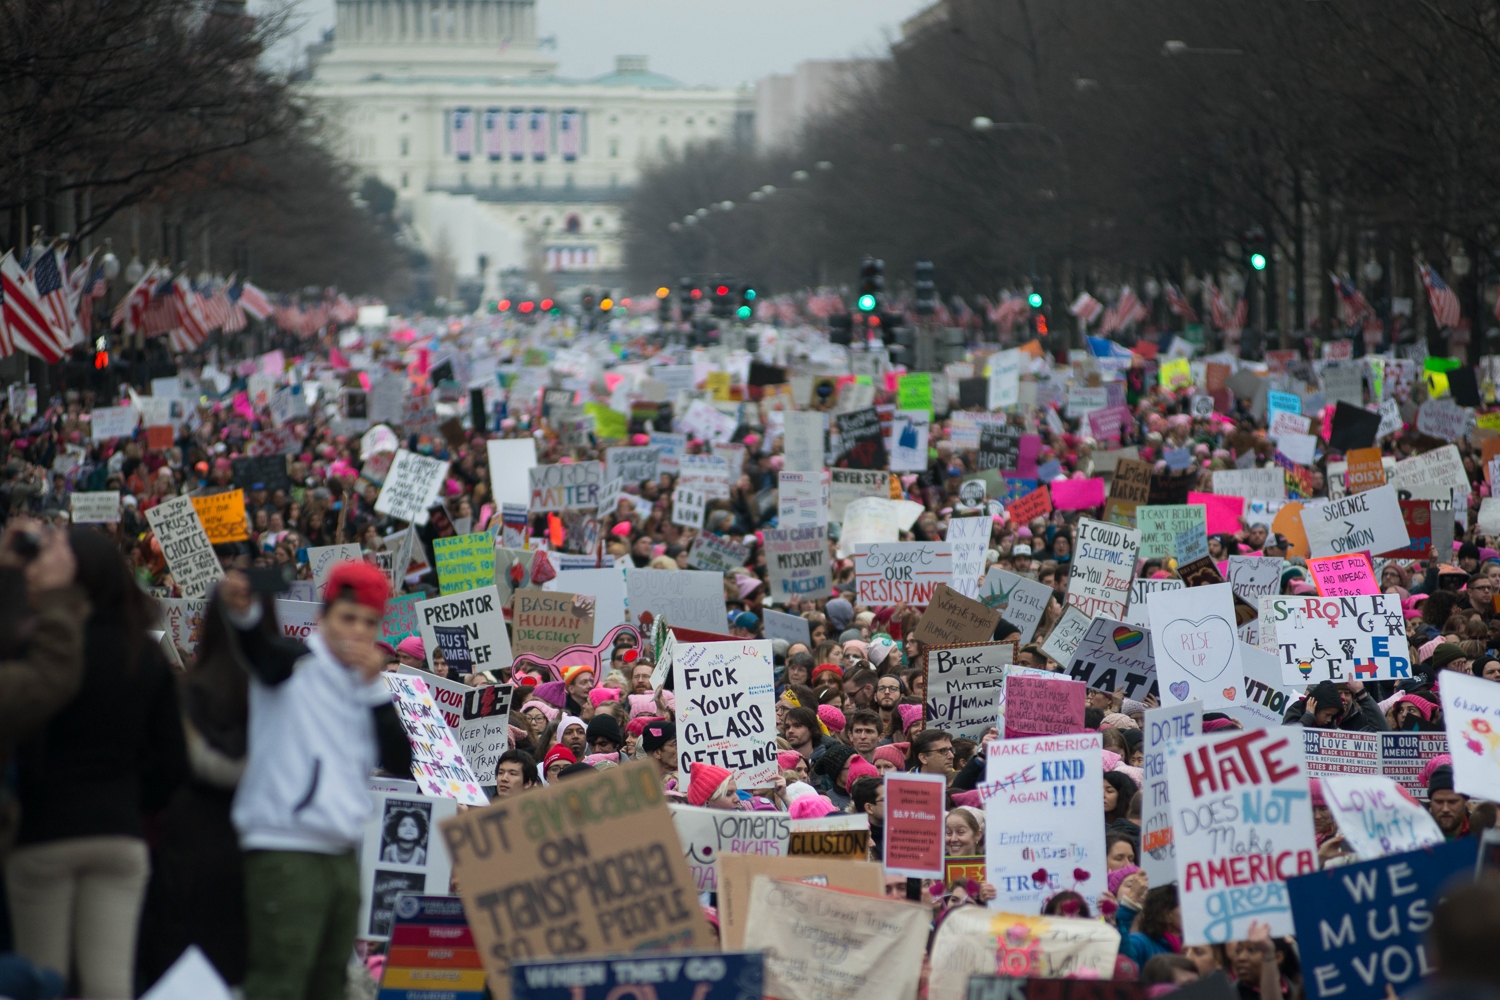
{"x": 1258, "y": 261}
{"x": 1034, "y": 300}
{"x": 867, "y": 303}
{"x": 743, "y": 312}
{"x": 750, "y": 294}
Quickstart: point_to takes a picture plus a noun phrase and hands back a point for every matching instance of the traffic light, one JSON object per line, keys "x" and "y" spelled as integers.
{"x": 871, "y": 284}
{"x": 664, "y": 304}
{"x": 101, "y": 353}
{"x": 1041, "y": 324}
{"x": 606, "y": 304}
{"x": 926, "y": 289}
{"x": 723, "y": 304}
{"x": 1254, "y": 243}
{"x": 586, "y": 301}
{"x": 747, "y": 302}
{"x": 1034, "y": 300}
{"x": 1258, "y": 261}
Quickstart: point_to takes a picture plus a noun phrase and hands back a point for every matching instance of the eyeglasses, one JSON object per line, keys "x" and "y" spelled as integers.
{"x": 945, "y": 751}
{"x": 889, "y": 687}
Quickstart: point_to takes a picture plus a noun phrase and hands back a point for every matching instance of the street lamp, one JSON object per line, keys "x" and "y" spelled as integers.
{"x": 800, "y": 175}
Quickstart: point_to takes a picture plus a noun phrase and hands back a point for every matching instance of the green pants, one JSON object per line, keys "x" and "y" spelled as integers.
{"x": 303, "y": 915}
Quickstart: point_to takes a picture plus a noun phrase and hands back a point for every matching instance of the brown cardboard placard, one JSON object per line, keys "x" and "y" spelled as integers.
{"x": 546, "y": 622}
{"x": 600, "y": 849}
{"x": 953, "y": 618}
{"x": 1132, "y": 482}
{"x": 736, "y": 871}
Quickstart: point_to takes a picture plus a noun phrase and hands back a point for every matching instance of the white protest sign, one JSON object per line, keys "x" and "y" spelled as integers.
{"x": 719, "y": 555}
{"x": 605, "y": 586}
{"x": 1241, "y": 826}
{"x": 321, "y": 559}
{"x": 1047, "y": 786}
{"x": 1066, "y": 634}
{"x": 411, "y": 487}
{"x": 1390, "y": 419}
{"x": 182, "y": 619}
{"x": 726, "y": 709}
{"x": 687, "y": 598}
{"x": 1471, "y": 716}
{"x": 190, "y": 556}
{"x": 687, "y": 507}
{"x": 1338, "y": 638}
{"x": 886, "y": 574}
{"x": 1253, "y": 578}
{"x": 1137, "y": 613}
{"x": 1267, "y": 483}
{"x": 1176, "y": 722}
{"x": 1099, "y": 583}
{"x": 963, "y": 683}
{"x": 708, "y": 833}
{"x": 1377, "y": 817}
{"x": 1444, "y": 419}
{"x": 511, "y": 460}
{"x": 1361, "y": 522}
{"x": 633, "y": 465}
{"x": 1263, "y": 698}
{"x": 109, "y": 422}
{"x": 970, "y": 537}
{"x": 797, "y": 563}
{"x": 1113, "y": 656}
{"x": 1300, "y": 448}
{"x": 1432, "y": 475}
{"x": 669, "y": 450}
{"x": 909, "y": 429}
{"x": 1005, "y": 379}
{"x": 574, "y": 486}
{"x": 1196, "y": 644}
{"x": 803, "y": 440}
{"x": 102, "y": 507}
{"x": 478, "y": 716}
{"x": 1284, "y": 423}
{"x": 402, "y": 851}
{"x": 868, "y": 520}
{"x": 702, "y": 420}
{"x": 708, "y": 474}
{"x": 848, "y": 485}
{"x": 438, "y": 763}
{"x": 297, "y": 619}
{"x": 1020, "y": 601}
{"x": 467, "y": 630}
{"x": 802, "y": 500}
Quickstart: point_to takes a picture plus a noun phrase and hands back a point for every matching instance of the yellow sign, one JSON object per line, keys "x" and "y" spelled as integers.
{"x": 718, "y": 384}
{"x": 608, "y": 424}
{"x": 223, "y": 516}
{"x": 1175, "y": 374}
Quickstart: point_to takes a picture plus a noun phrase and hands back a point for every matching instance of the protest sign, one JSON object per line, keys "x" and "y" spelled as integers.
{"x": 467, "y": 628}
{"x": 1037, "y": 503}
{"x": 951, "y": 618}
{"x": 412, "y": 486}
{"x": 101, "y": 507}
{"x": 574, "y": 486}
{"x": 1047, "y": 786}
{"x": 736, "y": 872}
{"x": 688, "y": 598}
{"x": 848, "y": 485}
{"x": 972, "y": 942}
{"x": 1020, "y": 601}
{"x": 498, "y": 853}
{"x": 1432, "y": 475}
{"x": 1107, "y": 424}
{"x": 1241, "y": 825}
{"x": 182, "y": 619}
{"x": 1343, "y": 576}
{"x": 478, "y": 716}
{"x": 686, "y": 976}
{"x": 707, "y": 834}
{"x": 545, "y": 622}
{"x": 1196, "y": 645}
{"x": 889, "y": 573}
{"x": 1113, "y": 656}
{"x": 1365, "y": 470}
{"x": 726, "y": 715}
{"x": 1004, "y": 386}
{"x": 913, "y": 842}
{"x": 718, "y": 555}
{"x": 1066, "y": 634}
{"x": 633, "y": 465}
{"x": 1284, "y": 424}
{"x": 402, "y": 852}
{"x": 1043, "y": 706}
{"x": 1300, "y": 449}
{"x": 1253, "y": 577}
{"x": 999, "y": 447}
{"x": 1221, "y": 513}
{"x": 1102, "y": 568}
{"x": 223, "y": 516}
{"x": 269, "y": 471}
{"x": 1362, "y": 928}
{"x": 190, "y": 555}
{"x": 706, "y": 474}
{"x": 837, "y": 835}
{"x": 1263, "y": 698}
{"x": 1377, "y": 817}
{"x": 826, "y": 944}
{"x": 1471, "y": 717}
{"x": 802, "y": 500}
{"x": 908, "y": 440}
{"x": 605, "y": 586}
{"x": 963, "y": 682}
{"x": 1136, "y": 612}
{"x": 803, "y": 445}
{"x": 400, "y": 618}
{"x": 509, "y": 458}
{"x": 970, "y": 538}
{"x": 464, "y": 562}
{"x": 1444, "y": 419}
{"x": 321, "y": 559}
{"x": 1163, "y": 725}
{"x": 1338, "y": 639}
{"x": 861, "y": 439}
{"x": 437, "y": 761}
{"x": 1077, "y": 494}
{"x": 792, "y": 628}
{"x": 1261, "y": 484}
{"x": 109, "y": 422}
{"x": 1178, "y": 532}
{"x": 297, "y": 619}
{"x": 1362, "y": 522}
{"x": 688, "y": 507}
{"x": 797, "y": 563}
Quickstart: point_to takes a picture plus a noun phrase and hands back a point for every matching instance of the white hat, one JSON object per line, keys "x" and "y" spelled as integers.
{"x": 1021, "y": 550}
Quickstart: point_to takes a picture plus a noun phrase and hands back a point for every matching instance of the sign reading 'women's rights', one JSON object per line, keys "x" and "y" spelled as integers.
{"x": 1099, "y": 583}
{"x": 726, "y": 712}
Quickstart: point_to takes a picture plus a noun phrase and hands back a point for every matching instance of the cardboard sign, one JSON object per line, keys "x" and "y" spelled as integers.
{"x": 1348, "y": 945}
{"x": 321, "y": 559}
{"x": 1338, "y": 639}
{"x": 962, "y": 685}
{"x": 402, "y": 852}
{"x": 862, "y": 439}
{"x": 1163, "y": 725}
{"x": 508, "y": 459}
{"x": 797, "y": 563}
{"x": 1173, "y": 532}
{"x": 574, "y": 486}
{"x": 1366, "y": 470}
{"x": 1020, "y": 601}
{"x": 1037, "y": 503}
{"x": 1049, "y": 787}
{"x": 688, "y": 976}
{"x": 1114, "y": 656}
{"x": 838, "y": 835}
{"x": 184, "y": 543}
{"x": 889, "y": 573}
{"x": 708, "y": 834}
{"x": 1343, "y": 576}
{"x": 726, "y": 709}
{"x": 687, "y": 598}
{"x": 876, "y": 948}
{"x": 437, "y": 761}
{"x": 467, "y": 627}
{"x": 688, "y": 507}
{"x": 717, "y": 555}
{"x": 1471, "y": 716}
{"x": 553, "y": 841}
{"x": 1253, "y": 577}
{"x": 102, "y": 507}
{"x": 1103, "y": 566}
{"x": 1377, "y": 817}
{"x": 633, "y": 465}
{"x": 1131, "y": 482}
{"x": 1043, "y": 706}
{"x": 546, "y": 622}
{"x": 913, "y": 841}
{"x": 1066, "y": 634}
{"x": 1197, "y": 647}
{"x": 737, "y": 872}
{"x": 1242, "y": 825}
{"x": 464, "y": 562}
{"x": 223, "y": 516}
{"x": 953, "y": 618}
{"x": 792, "y": 628}
{"x": 1363, "y": 522}
{"x": 972, "y": 942}
{"x": 411, "y": 487}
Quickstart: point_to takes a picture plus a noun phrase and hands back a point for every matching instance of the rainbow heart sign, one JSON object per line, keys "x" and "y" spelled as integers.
{"x": 1126, "y": 637}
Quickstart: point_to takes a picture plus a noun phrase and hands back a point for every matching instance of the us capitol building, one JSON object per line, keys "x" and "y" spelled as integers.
{"x": 454, "y": 105}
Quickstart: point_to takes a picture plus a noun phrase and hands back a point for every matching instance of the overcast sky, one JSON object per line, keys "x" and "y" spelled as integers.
{"x": 718, "y": 42}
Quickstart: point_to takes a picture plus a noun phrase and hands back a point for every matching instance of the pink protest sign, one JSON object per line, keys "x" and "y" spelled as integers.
{"x": 1223, "y": 512}
{"x": 1344, "y": 576}
{"x": 1043, "y": 706}
{"x": 1031, "y": 446}
{"x": 1077, "y": 494}
{"x": 1110, "y": 421}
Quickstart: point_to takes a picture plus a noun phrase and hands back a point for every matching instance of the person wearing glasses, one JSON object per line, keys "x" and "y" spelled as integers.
{"x": 932, "y": 750}
{"x": 887, "y": 697}
{"x": 1481, "y": 591}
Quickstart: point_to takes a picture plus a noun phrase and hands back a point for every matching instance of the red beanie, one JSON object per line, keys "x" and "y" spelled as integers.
{"x": 368, "y": 585}
{"x": 558, "y": 752}
{"x": 706, "y": 781}
{"x": 860, "y": 768}
{"x": 889, "y": 752}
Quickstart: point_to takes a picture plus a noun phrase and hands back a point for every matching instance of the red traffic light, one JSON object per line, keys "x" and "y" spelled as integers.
{"x": 101, "y": 359}
{"x": 546, "y": 304}
{"x": 526, "y": 307}
{"x": 722, "y": 290}
{"x": 503, "y": 305}
{"x": 697, "y": 293}
{"x": 1041, "y": 324}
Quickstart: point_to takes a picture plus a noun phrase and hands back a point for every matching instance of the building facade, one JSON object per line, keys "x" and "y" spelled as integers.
{"x": 494, "y": 157}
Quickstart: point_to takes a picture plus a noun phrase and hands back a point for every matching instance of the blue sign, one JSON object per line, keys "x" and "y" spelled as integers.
{"x": 1178, "y": 459}
{"x": 1015, "y": 489}
{"x": 731, "y": 975}
{"x": 1362, "y": 926}
{"x": 1288, "y": 402}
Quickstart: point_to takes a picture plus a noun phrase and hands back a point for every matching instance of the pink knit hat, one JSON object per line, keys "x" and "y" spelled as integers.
{"x": 890, "y": 753}
{"x": 788, "y": 760}
{"x": 860, "y": 768}
{"x": 909, "y": 714}
{"x": 412, "y": 646}
{"x": 1118, "y": 876}
{"x": 831, "y": 717}
{"x": 811, "y": 807}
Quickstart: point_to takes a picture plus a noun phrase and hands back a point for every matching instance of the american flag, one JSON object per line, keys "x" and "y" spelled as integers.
{"x": 515, "y": 134}
{"x": 1351, "y": 302}
{"x": 539, "y": 137}
{"x": 1218, "y": 309}
{"x": 569, "y": 124}
{"x": 1086, "y": 308}
{"x": 1010, "y": 309}
{"x": 343, "y": 311}
{"x": 494, "y": 134}
{"x": 236, "y": 321}
{"x": 463, "y": 134}
{"x": 27, "y": 326}
{"x": 49, "y": 275}
{"x": 192, "y": 326}
{"x": 254, "y": 301}
{"x": 1440, "y": 297}
{"x": 1178, "y": 303}
{"x": 216, "y": 306}
{"x": 160, "y": 313}
{"x": 1126, "y": 310}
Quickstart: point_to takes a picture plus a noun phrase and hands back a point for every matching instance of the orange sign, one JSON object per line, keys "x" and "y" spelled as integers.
{"x": 1288, "y": 523}
{"x": 1365, "y": 471}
